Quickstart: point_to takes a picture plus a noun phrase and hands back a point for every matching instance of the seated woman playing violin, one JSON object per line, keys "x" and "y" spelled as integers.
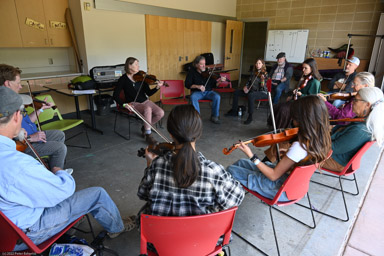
{"x": 347, "y": 140}
{"x": 201, "y": 83}
{"x": 361, "y": 80}
{"x": 255, "y": 89}
{"x": 182, "y": 182}
{"x": 309, "y": 84}
{"x": 136, "y": 94}
{"x": 313, "y": 145}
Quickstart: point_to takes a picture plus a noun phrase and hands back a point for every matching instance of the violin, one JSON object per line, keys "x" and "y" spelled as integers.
{"x": 21, "y": 146}
{"x": 38, "y": 104}
{"x": 341, "y": 96}
{"x": 357, "y": 119}
{"x": 207, "y": 74}
{"x": 149, "y": 79}
{"x": 266, "y": 139}
{"x": 159, "y": 149}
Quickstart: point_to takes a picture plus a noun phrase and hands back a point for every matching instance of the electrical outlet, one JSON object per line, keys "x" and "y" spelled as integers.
{"x": 87, "y": 6}
{"x": 50, "y": 61}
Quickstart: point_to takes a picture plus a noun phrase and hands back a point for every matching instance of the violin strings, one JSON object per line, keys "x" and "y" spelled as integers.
{"x": 210, "y": 75}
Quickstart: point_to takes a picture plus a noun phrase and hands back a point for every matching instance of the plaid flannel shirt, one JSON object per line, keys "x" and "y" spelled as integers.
{"x": 214, "y": 190}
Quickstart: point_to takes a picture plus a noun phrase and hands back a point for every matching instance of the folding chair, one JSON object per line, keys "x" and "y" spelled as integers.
{"x": 187, "y": 236}
{"x": 174, "y": 94}
{"x": 61, "y": 124}
{"x": 120, "y": 110}
{"x": 295, "y": 187}
{"x": 226, "y": 86}
{"x": 269, "y": 88}
{"x": 10, "y": 235}
{"x": 350, "y": 169}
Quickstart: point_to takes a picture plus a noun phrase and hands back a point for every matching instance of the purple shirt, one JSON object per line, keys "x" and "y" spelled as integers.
{"x": 345, "y": 111}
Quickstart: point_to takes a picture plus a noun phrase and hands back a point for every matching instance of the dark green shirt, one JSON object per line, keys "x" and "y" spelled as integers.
{"x": 346, "y": 142}
{"x": 312, "y": 88}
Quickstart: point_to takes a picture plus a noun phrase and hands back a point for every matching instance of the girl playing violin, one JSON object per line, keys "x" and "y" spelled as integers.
{"x": 347, "y": 140}
{"x": 136, "y": 94}
{"x": 313, "y": 145}
{"x": 361, "y": 80}
{"x": 184, "y": 182}
{"x": 255, "y": 89}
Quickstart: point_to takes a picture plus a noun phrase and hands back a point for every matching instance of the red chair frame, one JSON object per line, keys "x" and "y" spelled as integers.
{"x": 350, "y": 169}
{"x": 296, "y": 187}
{"x": 10, "y": 234}
{"x": 269, "y": 88}
{"x": 174, "y": 94}
{"x": 190, "y": 235}
{"x": 225, "y": 87}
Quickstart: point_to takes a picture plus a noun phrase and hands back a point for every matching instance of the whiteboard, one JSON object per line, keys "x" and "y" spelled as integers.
{"x": 292, "y": 42}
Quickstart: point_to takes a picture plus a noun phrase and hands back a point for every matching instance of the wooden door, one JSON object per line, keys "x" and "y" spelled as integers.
{"x": 32, "y": 35}
{"x": 55, "y": 12}
{"x": 233, "y": 43}
{"x": 9, "y": 27}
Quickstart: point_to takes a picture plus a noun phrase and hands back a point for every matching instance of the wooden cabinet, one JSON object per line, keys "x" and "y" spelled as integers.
{"x": 173, "y": 42}
{"x": 34, "y": 19}
{"x": 9, "y": 26}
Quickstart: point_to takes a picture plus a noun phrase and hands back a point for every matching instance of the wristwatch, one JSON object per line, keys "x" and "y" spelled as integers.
{"x": 255, "y": 159}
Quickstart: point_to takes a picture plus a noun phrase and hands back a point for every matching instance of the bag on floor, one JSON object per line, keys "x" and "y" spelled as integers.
{"x": 70, "y": 250}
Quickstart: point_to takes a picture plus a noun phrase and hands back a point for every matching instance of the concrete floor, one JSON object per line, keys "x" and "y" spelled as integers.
{"x": 112, "y": 164}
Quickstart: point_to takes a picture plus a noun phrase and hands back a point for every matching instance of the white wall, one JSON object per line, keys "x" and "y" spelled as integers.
{"x": 218, "y": 42}
{"x": 218, "y": 7}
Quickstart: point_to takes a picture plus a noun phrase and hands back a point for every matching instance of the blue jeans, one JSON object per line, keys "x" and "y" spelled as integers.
{"x": 207, "y": 95}
{"x": 338, "y": 103}
{"x": 249, "y": 175}
{"x": 94, "y": 200}
{"x": 278, "y": 91}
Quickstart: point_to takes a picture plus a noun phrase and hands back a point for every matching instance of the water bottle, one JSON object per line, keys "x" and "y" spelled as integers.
{"x": 240, "y": 113}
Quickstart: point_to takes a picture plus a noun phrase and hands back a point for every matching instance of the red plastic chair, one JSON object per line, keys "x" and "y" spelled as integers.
{"x": 174, "y": 94}
{"x": 269, "y": 88}
{"x": 296, "y": 187}
{"x": 350, "y": 169}
{"x": 10, "y": 234}
{"x": 226, "y": 86}
{"x": 125, "y": 112}
{"x": 191, "y": 235}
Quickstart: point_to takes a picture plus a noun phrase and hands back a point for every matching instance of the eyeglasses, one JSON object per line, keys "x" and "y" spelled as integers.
{"x": 356, "y": 100}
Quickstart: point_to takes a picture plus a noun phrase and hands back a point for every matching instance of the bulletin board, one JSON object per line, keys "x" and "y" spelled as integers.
{"x": 292, "y": 42}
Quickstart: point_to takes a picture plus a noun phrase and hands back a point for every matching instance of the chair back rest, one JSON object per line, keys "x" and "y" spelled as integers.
{"x": 354, "y": 164}
{"x": 191, "y": 235}
{"x": 225, "y": 83}
{"x": 10, "y": 234}
{"x": 49, "y": 113}
{"x": 174, "y": 90}
{"x": 122, "y": 98}
{"x": 297, "y": 183}
{"x": 269, "y": 85}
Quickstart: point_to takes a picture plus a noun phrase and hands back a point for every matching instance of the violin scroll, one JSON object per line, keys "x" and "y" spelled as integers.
{"x": 149, "y": 79}
{"x": 159, "y": 149}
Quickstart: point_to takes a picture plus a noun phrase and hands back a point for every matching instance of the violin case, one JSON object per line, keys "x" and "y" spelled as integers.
{"x": 106, "y": 76}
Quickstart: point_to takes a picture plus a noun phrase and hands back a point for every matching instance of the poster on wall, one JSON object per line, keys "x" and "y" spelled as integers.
{"x": 292, "y": 42}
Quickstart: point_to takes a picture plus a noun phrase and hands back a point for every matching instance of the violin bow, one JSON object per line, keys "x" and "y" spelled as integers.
{"x": 274, "y": 124}
{"x": 132, "y": 108}
{"x": 35, "y": 153}
{"x": 250, "y": 87}
{"x": 137, "y": 94}
{"x": 33, "y": 105}
{"x": 210, "y": 74}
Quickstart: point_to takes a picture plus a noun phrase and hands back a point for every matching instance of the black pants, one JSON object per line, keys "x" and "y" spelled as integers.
{"x": 252, "y": 96}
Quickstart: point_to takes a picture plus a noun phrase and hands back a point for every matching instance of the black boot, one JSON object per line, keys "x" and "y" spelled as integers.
{"x": 249, "y": 119}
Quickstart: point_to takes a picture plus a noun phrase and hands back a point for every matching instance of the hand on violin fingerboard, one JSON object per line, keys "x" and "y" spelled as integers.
{"x": 247, "y": 150}
{"x": 322, "y": 96}
{"x": 159, "y": 84}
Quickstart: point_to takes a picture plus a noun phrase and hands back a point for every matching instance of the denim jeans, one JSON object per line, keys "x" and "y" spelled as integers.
{"x": 279, "y": 90}
{"x": 207, "y": 95}
{"x": 94, "y": 200}
{"x": 54, "y": 148}
{"x": 249, "y": 175}
{"x": 338, "y": 103}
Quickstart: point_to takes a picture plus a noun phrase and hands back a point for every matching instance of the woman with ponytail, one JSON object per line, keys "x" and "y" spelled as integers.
{"x": 184, "y": 182}
{"x": 347, "y": 140}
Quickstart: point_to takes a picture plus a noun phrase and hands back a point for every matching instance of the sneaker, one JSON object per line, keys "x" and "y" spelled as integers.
{"x": 129, "y": 224}
{"x": 150, "y": 140}
{"x": 69, "y": 171}
{"x": 231, "y": 112}
{"x": 249, "y": 120}
{"x": 215, "y": 120}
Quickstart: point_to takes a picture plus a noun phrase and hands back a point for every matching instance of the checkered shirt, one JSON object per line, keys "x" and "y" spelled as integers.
{"x": 214, "y": 190}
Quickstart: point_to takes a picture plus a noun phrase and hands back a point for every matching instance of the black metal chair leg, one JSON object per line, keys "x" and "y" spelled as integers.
{"x": 274, "y": 231}
{"x": 343, "y": 178}
{"x": 86, "y": 134}
{"x": 129, "y": 128}
{"x": 248, "y": 242}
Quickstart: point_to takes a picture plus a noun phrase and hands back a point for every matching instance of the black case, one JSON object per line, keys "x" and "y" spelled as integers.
{"x": 106, "y": 76}
{"x": 208, "y": 58}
